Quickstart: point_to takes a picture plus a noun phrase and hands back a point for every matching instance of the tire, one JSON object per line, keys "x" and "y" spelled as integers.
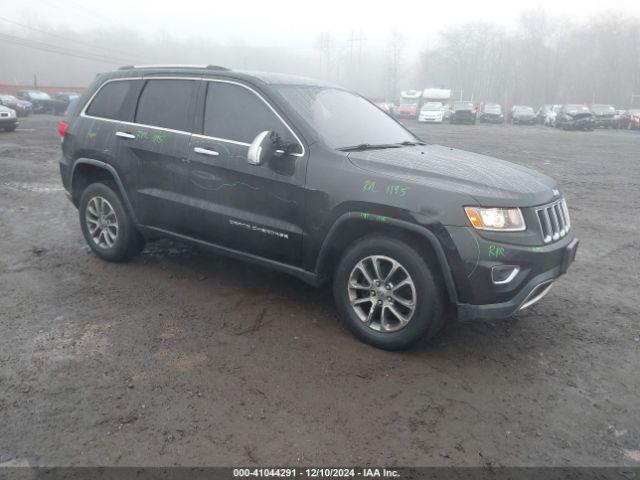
{"x": 117, "y": 243}
{"x": 428, "y": 314}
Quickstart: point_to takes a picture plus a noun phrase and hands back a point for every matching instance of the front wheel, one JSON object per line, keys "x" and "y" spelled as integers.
{"x": 387, "y": 294}
{"x": 106, "y": 225}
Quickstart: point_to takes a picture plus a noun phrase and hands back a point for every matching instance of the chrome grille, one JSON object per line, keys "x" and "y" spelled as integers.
{"x": 554, "y": 220}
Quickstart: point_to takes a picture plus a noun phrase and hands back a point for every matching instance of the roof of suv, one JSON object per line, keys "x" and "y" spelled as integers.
{"x": 206, "y": 70}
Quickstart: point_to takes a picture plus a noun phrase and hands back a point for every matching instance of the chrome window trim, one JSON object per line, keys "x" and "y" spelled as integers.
{"x": 256, "y": 93}
{"x": 83, "y": 113}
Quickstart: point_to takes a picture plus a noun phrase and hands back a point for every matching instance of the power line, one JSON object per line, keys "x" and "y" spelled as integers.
{"x": 24, "y": 42}
{"x": 28, "y": 27}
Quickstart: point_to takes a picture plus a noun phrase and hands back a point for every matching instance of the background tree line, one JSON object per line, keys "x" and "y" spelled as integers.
{"x": 540, "y": 59}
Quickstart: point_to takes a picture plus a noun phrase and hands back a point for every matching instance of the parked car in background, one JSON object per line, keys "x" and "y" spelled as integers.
{"x": 523, "y": 115}
{"x": 491, "y": 113}
{"x": 66, "y": 98}
{"x": 542, "y": 113}
{"x": 409, "y": 105}
{"x": 432, "y": 112}
{"x": 630, "y": 119}
{"x": 8, "y": 119}
{"x": 550, "y": 117}
{"x": 463, "y": 112}
{"x": 42, "y": 102}
{"x": 604, "y": 115}
{"x": 22, "y": 107}
{"x": 575, "y": 117}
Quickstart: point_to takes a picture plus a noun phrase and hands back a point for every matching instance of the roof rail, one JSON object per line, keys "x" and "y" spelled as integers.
{"x": 198, "y": 67}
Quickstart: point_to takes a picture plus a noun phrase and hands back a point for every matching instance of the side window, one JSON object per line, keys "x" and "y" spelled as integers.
{"x": 110, "y": 100}
{"x": 166, "y": 103}
{"x": 234, "y": 113}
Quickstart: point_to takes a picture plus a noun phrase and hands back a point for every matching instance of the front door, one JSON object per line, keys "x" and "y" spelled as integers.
{"x": 253, "y": 209}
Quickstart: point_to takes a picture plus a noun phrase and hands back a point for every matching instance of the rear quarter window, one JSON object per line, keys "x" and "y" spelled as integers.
{"x": 166, "y": 104}
{"x": 113, "y": 101}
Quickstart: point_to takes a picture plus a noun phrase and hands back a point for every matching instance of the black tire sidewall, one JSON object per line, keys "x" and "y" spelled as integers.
{"x": 426, "y": 319}
{"x": 127, "y": 235}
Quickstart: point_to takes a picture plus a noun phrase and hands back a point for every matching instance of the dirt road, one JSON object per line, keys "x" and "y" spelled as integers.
{"x": 182, "y": 357}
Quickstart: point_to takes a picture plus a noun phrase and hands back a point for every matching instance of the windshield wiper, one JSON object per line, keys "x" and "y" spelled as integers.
{"x": 410, "y": 143}
{"x": 367, "y": 146}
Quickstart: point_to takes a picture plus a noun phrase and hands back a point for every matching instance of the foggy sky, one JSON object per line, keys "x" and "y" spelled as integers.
{"x": 292, "y": 23}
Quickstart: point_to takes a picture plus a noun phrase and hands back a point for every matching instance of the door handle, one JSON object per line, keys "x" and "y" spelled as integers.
{"x": 125, "y": 135}
{"x": 204, "y": 151}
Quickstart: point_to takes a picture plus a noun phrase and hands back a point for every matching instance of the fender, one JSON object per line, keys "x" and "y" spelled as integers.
{"x": 400, "y": 224}
{"x": 116, "y": 178}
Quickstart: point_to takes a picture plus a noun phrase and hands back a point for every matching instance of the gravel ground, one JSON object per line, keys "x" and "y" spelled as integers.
{"x": 182, "y": 357}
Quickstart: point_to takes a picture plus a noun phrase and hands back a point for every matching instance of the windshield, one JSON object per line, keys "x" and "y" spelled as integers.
{"x": 492, "y": 108}
{"x": 39, "y": 95}
{"x": 8, "y": 98}
{"x": 462, "y": 105}
{"x": 432, "y": 107}
{"x": 343, "y": 119}
{"x": 603, "y": 109}
{"x": 524, "y": 110}
{"x": 573, "y": 109}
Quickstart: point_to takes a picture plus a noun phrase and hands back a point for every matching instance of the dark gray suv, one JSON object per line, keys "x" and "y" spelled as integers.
{"x": 313, "y": 180}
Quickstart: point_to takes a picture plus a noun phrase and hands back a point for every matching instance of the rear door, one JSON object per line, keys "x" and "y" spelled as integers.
{"x": 253, "y": 209}
{"x": 155, "y": 147}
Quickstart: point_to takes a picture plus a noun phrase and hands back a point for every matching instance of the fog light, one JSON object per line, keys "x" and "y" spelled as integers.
{"x": 503, "y": 274}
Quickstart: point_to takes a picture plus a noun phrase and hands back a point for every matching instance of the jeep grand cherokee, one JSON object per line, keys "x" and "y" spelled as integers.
{"x": 313, "y": 180}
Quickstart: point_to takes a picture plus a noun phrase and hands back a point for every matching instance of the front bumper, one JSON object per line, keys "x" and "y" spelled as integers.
{"x": 8, "y": 122}
{"x": 430, "y": 119}
{"x": 535, "y": 267}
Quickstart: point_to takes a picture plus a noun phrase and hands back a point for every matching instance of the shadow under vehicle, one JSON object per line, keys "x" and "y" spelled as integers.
{"x": 575, "y": 117}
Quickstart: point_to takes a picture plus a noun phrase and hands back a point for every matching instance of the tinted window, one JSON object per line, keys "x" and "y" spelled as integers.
{"x": 166, "y": 103}
{"x": 234, "y": 113}
{"x": 343, "y": 119}
{"x": 110, "y": 101}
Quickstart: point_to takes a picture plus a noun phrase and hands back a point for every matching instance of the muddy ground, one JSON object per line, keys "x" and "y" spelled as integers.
{"x": 183, "y": 357}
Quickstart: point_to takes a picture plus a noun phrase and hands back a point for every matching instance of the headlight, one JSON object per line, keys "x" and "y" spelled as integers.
{"x": 496, "y": 219}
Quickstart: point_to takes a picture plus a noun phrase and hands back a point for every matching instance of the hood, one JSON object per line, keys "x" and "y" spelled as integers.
{"x": 491, "y": 182}
{"x": 5, "y": 109}
{"x": 524, "y": 114}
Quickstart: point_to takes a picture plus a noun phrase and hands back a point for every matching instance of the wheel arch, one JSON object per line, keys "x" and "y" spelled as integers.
{"x": 353, "y": 225}
{"x": 88, "y": 170}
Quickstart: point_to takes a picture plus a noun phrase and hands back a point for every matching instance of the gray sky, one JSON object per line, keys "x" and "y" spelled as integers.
{"x": 293, "y": 23}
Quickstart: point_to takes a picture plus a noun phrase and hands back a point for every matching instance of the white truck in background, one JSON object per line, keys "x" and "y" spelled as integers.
{"x": 410, "y": 103}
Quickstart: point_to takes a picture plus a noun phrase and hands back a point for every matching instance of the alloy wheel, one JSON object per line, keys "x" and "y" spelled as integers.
{"x": 382, "y": 293}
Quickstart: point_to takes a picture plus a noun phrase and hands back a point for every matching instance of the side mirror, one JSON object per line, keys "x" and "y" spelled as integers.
{"x": 263, "y": 148}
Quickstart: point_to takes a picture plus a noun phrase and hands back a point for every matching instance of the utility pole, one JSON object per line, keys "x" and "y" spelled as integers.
{"x": 354, "y": 38}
